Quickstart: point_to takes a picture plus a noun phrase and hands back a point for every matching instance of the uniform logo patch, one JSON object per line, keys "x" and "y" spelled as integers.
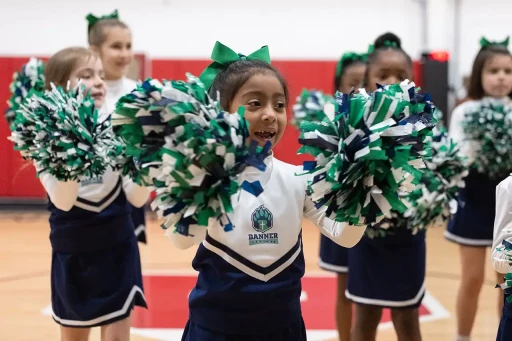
{"x": 262, "y": 221}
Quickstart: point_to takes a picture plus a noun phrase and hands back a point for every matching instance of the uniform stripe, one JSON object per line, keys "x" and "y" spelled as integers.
{"x": 103, "y": 203}
{"x": 250, "y": 268}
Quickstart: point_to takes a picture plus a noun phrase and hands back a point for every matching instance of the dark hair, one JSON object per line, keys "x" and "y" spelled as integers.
{"x": 231, "y": 79}
{"x": 386, "y": 41}
{"x": 475, "y": 88}
{"x": 345, "y": 64}
{"x": 97, "y": 33}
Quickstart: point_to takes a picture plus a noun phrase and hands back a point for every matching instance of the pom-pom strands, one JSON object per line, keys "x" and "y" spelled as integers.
{"x": 61, "y": 132}
{"x": 370, "y": 151}
{"x": 506, "y": 249}
{"x": 203, "y": 150}
{"x": 312, "y": 106}
{"x": 30, "y": 77}
{"x": 490, "y": 125}
{"x": 138, "y": 122}
{"x": 434, "y": 200}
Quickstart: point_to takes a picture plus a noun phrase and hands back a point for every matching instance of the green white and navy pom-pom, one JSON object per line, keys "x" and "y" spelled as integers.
{"x": 61, "y": 132}
{"x": 434, "y": 200}
{"x": 137, "y": 122}
{"x": 506, "y": 249}
{"x": 30, "y": 77}
{"x": 490, "y": 124}
{"x": 196, "y": 169}
{"x": 372, "y": 149}
{"x": 312, "y": 106}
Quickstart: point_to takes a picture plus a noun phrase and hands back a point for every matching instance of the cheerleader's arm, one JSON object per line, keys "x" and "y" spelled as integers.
{"x": 467, "y": 147}
{"x": 341, "y": 233}
{"x": 137, "y": 195}
{"x": 502, "y": 226}
{"x": 63, "y": 194}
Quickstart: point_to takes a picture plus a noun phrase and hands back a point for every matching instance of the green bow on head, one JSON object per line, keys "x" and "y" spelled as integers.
{"x": 348, "y": 56}
{"x": 486, "y": 43}
{"x": 387, "y": 43}
{"x": 223, "y": 56}
{"x": 93, "y": 20}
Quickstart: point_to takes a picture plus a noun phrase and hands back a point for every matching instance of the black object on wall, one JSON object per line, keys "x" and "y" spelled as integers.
{"x": 435, "y": 80}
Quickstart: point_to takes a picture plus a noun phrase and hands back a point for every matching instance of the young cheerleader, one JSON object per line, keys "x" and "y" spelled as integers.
{"x": 111, "y": 39}
{"x": 389, "y": 271}
{"x": 500, "y": 261}
{"x": 249, "y": 281}
{"x": 96, "y": 273}
{"x": 472, "y": 226}
{"x": 350, "y": 72}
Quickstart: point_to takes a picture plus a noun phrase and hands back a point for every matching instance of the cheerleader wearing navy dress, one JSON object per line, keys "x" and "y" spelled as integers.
{"x": 111, "y": 38}
{"x": 501, "y": 263}
{"x": 96, "y": 275}
{"x": 472, "y": 225}
{"x": 249, "y": 281}
{"x": 387, "y": 271}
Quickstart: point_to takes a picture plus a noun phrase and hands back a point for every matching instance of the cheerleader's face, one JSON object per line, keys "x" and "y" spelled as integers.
{"x": 352, "y": 78}
{"x": 497, "y": 76}
{"x": 91, "y": 74}
{"x": 116, "y": 52}
{"x": 390, "y": 67}
{"x": 264, "y": 100}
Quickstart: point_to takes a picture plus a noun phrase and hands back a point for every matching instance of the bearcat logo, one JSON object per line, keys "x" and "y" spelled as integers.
{"x": 262, "y": 221}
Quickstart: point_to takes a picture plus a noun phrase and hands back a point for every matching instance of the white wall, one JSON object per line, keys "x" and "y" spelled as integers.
{"x": 294, "y": 29}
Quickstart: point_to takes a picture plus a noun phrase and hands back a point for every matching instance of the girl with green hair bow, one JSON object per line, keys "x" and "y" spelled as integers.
{"x": 111, "y": 39}
{"x": 249, "y": 282}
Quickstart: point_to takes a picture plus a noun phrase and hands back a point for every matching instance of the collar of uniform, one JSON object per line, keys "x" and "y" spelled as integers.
{"x": 252, "y": 174}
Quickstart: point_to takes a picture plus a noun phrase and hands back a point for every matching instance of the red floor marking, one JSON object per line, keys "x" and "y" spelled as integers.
{"x": 167, "y": 298}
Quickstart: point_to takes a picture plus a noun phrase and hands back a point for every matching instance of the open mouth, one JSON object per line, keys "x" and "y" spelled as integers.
{"x": 97, "y": 96}
{"x": 265, "y": 135}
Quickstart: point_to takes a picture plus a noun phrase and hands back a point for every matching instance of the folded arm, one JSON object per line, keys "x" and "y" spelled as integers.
{"x": 341, "y": 233}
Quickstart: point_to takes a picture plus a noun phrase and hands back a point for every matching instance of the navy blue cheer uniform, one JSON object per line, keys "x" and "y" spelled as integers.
{"x": 96, "y": 274}
{"x": 249, "y": 281}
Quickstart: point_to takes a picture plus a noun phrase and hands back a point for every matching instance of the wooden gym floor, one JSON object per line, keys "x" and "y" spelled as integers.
{"x": 25, "y": 282}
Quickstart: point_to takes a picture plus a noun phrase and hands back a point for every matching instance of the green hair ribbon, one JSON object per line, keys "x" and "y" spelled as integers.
{"x": 223, "y": 56}
{"x": 486, "y": 43}
{"x": 93, "y": 20}
{"x": 348, "y": 56}
{"x": 387, "y": 43}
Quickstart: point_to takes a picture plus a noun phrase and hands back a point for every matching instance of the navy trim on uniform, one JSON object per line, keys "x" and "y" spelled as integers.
{"x": 260, "y": 269}
{"x": 104, "y": 200}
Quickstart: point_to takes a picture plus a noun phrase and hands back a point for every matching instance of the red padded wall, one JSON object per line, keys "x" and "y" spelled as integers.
{"x": 16, "y": 182}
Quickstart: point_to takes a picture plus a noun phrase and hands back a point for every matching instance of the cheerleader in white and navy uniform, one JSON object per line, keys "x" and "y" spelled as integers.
{"x": 387, "y": 271}
{"x": 349, "y": 75}
{"x": 472, "y": 226}
{"x": 96, "y": 273}
{"x": 249, "y": 282}
{"x": 111, "y": 39}
{"x": 502, "y": 238}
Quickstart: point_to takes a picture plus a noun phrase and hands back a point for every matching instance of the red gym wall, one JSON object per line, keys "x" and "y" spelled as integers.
{"x": 19, "y": 182}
